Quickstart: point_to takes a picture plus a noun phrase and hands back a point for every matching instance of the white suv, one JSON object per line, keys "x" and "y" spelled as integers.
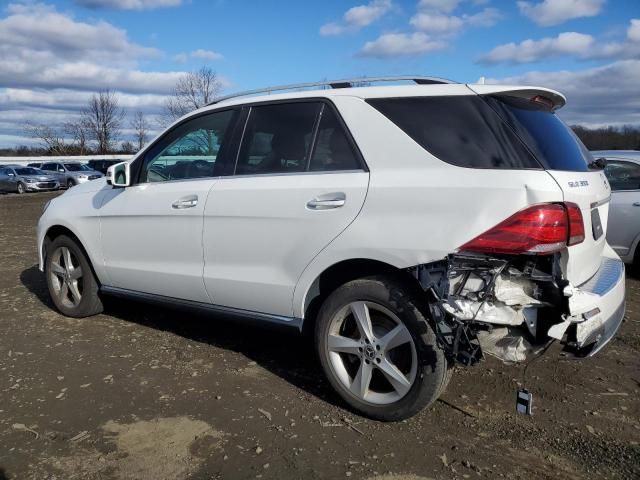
{"x": 409, "y": 227}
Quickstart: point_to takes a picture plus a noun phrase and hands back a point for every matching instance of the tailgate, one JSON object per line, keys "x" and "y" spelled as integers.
{"x": 590, "y": 191}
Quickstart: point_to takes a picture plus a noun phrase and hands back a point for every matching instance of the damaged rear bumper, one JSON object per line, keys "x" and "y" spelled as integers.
{"x": 597, "y": 317}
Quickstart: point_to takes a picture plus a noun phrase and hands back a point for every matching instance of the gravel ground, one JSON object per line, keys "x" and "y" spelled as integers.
{"x": 148, "y": 393}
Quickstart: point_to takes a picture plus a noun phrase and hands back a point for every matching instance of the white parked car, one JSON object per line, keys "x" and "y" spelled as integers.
{"x": 408, "y": 226}
{"x": 623, "y": 231}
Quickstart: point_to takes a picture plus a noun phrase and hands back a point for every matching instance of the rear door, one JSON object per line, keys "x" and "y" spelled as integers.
{"x": 567, "y": 160}
{"x": 298, "y": 182}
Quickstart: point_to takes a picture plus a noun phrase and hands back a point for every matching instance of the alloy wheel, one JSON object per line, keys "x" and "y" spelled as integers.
{"x": 20, "y": 188}
{"x": 66, "y": 277}
{"x": 372, "y": 352}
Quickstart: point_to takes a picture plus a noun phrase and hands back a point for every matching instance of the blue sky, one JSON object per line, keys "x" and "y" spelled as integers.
{"x": 53, "y": 54}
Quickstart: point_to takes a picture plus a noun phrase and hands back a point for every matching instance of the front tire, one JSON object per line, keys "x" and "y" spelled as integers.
{"x": 72, "y": 284}
{"x": 70, "y": 183}
{"x": 377, "y": 349}
{"x": 20, "y": 188}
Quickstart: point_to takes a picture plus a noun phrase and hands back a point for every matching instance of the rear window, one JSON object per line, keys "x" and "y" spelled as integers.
{"x": 461, "y": 130}
{"x": 552, "y": 142}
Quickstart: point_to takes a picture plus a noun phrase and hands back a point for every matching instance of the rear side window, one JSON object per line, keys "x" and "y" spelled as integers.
{"x": 277, "y": 138}
{"x": 332, "y": 150}
{"x": 460, "y": 130}
{"x": 623, "y": 175}
{"x": 552, "y": 142}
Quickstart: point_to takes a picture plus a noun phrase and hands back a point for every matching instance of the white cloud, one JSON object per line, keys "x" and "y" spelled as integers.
{"x": 488, "y": 17}
{"x": 445, "y": 6}
{"x": 554, "y": 12}
{"x": 436, "y": 23}
{"x": 633, "y": 32}
{"x": 128, "y": 4}
{"x": 605, "y": 95}
{"x": 401, "y": 44}
{"x": 573, "y": 44}
{"x": 206, "y": 54}
{"x": 357, "y": 18}
{"x": 568, "y": 43}
{"x": 181, "y": 58}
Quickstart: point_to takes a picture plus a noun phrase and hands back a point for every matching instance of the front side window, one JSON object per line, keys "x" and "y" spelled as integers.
{"x": 623, "y": 175}
{"x": 189, "y": 151}
{"x": 49, "y": 167}
{"x": 277, "y": 138}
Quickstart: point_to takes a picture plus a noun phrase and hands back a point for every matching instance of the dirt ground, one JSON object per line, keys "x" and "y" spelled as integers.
{"x": 147, "y": 393}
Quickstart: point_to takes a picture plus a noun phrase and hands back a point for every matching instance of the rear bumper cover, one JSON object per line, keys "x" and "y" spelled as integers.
{"x": 587, "y": 337}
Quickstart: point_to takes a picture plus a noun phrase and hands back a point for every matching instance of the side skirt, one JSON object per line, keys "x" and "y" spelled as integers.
{"x": 237, "y": 314}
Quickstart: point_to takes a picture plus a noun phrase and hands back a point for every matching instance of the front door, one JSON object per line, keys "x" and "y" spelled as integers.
{"x": 152, "y": 230}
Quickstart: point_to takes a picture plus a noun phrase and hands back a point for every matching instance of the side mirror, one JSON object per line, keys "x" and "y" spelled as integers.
{"x": 119, "y": 175}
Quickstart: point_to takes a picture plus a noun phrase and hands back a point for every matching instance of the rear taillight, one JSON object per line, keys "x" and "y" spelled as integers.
{"x": 537, "y": 230}
{"x": 576, "y": 224}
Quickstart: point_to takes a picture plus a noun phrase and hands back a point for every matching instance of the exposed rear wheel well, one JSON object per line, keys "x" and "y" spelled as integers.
{"x": 343, "y": 272}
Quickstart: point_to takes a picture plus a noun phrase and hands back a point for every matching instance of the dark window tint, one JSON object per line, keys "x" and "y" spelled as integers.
{"x": 189, "y": 151}
{"x": 277, "y": 138}
{"x": 27, "y": 171}
{"x": 332, "y": 149}
{"x": 461, "y": 130}
{"x": 552, "y": 142}
{"x": 623, "y": 175}
{"x": 49, "y": 167}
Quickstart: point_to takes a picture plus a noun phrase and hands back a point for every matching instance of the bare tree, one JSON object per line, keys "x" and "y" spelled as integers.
{"x": 50, "y": 138}
{"x": 127, "y": 147}
{"x": 103, "y": 118}
{"x": 79, "y": 131}
{"x": 192, "y": 91}
{"x": 141, "y": 127}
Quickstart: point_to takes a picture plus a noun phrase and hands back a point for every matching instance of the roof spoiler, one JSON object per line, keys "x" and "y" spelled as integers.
{"x": 556, "y": 99}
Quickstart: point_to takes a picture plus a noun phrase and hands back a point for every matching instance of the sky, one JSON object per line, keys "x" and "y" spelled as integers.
{"x": 55, "y": 54}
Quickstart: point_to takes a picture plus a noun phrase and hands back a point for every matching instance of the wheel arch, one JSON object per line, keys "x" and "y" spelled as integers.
{"x": 54, "y": 231}
{"x": 342, "y": 272}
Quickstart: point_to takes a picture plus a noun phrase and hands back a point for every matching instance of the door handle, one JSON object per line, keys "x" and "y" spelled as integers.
{"x": 189, "y": 201}
{"x": 636, "y": 204}
{"x": 327, "y": 201}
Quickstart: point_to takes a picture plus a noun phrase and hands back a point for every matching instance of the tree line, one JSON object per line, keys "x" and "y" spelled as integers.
{"x": 97, "y": 129}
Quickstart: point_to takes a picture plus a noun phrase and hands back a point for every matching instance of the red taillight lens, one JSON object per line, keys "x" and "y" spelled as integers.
{"x": 576, "y": 224}
{"x": 540, "y": 229}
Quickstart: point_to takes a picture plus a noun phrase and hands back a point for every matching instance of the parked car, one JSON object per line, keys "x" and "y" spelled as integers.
{"x": 35, "y": 164}
{"x": 20, "y": 179}
{"x": 623, "y": 233}
{"x": 407, "y": 227}
{"x": 101, "y": 165}
{"x": 71, "y": 173}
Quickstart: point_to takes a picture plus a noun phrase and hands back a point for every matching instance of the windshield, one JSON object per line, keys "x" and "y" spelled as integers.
{"x": 552, "y": 142}
{"x": 29, "y": 171}
{"x": 76, "y": 167}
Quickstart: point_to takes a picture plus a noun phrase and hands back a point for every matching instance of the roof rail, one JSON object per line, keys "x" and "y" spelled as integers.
{"x": 354, "y": 82}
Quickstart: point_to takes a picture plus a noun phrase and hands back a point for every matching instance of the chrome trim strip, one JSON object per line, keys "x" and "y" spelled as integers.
{"x": 599, "y": 203}
{"x": 607, "y": 277}
{"x": 259, "y": 317}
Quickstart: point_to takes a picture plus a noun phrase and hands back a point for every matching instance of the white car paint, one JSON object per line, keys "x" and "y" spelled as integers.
{"x": 251, "y": 243}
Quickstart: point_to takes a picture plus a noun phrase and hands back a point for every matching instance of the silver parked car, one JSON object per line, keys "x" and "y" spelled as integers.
{"x": 16, "y": 178}
{"x": 71, "y": 173}
{"x": 623, "y": 173}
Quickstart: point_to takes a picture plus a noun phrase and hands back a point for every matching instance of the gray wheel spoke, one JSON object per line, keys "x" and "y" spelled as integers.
{"x": 68, "y": 265}
{"x": 75, "y": 293}
{"x": 361, "y": 315}
{"x": 76, "y": 273}
{"x": 57, "y": 269}
{"x": 396, "y": 378}
{"x": 396, "y": 337}
{"x": 360, "y": 384}
{"x": 64, "y": 291}
{"x": 338, "y": 343}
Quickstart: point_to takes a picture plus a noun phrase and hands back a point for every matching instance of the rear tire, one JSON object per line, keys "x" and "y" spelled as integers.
{"x": 72, "y": 284}
{"x": 20, "y": 188}
{"x": 70, "y": 183}
{"x": 396, "y": 368}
